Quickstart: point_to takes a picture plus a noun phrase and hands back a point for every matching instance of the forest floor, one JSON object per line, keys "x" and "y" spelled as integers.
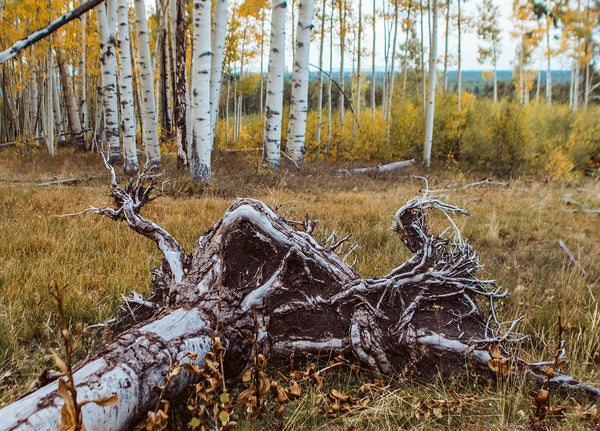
{"x": 515, "y": 228}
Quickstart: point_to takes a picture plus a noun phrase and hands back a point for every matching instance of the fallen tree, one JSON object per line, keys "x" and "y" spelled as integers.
{"x": 255, "y": 274}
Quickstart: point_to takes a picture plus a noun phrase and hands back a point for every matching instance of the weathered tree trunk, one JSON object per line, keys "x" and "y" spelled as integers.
{"x": 296, "y": 138}
{"x": 274, "y": 99}
{"x": 130, "y": 165}
{"x": 181, "y": 102}
{"x": 108, "y": 62}
{"x": 149, "y": 121}
{"x": 254, "y": 270}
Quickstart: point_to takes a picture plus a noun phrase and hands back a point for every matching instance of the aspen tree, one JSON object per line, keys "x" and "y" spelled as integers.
{"x": 374, "y": 22}
{"x": 296, "y": 138}
{"x": 274, "y": 99}
{"x": 71, "y": 104}
{"x": 149, "y": 121}
{"x": 431, "y": 93}
{"x": 488, "y": 31}
{"x": 320, "y": 79}
{"x": 219, "y": 27}
{"x": 108, "y": 62}
{"x": 130, "y": 165}
{"x": 201, "y": 146}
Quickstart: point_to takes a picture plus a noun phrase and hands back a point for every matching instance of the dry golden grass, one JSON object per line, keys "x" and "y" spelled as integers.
{"x": 515, "y": 230}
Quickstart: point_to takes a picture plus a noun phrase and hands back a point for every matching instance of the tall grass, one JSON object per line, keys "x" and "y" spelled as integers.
{"x": 515, "y": 230}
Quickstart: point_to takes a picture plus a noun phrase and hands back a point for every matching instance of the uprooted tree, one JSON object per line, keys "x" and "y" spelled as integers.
{"x": 258, "y": 275}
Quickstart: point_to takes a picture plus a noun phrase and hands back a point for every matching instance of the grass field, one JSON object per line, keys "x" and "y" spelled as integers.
{"x": 515, "y": 228}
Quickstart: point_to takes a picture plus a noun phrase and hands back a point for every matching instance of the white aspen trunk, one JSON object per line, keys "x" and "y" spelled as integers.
{"x": 274, "y": 99}
{"x": 373, "y": 64}
{"x": 48, "y": 114}
{"x": 521, "y": 77}
{"x": 74, "y": 121}
{"x": 58, "y": 120}
{"x": 33, "y": 105}
{"x": 423, "y": 86}
{"x": 358, "y": 55}
{"x": 390, "y": 94}
{"x": 83, "y": 103}
{"x": 495, "y": 83}
{"x": 329, "y": 125}
{"x": 219, "y": 28}
{"x": 296, "y": 138}
{"x": 548, "y": 72}
{"x": 227, "y": 111}
{"x": 459, "y": 71}
{"x": 404, "y": 59}
{"x": 149, "y": 121}
{"x": 571, "y": 87}
{"x": 130, "y": 165}
{"x": 108, "y": 63}
{"x": 342, "y": 16}
{"x": 576, "y": 85}
{"x": 262, "y": 73}
{"x": 446, "y": 46}
{"x": 431, "y": 98}
{"x": 320, "y": 83}
{"x": 201, "y": 145}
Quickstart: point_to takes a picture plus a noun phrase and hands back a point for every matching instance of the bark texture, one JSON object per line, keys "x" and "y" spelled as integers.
{"x": 255, "y": 271}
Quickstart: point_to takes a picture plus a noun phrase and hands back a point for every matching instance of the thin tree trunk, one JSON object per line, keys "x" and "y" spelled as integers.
{"x": 329, "y": 83}
{"x": 274, "y": 99}
{"x": 548, "y": 71}
{"x": 390, "y": 94}
{"x": 58, "y": 119}
{"x": 130, "y": 165}
{"x": 373, "y": 64}
{"x": 359, "y": 55}
{"x": 296, "y": 137}
{"x": 432, "y": 80}
{"x": 423, "y": 86}
{"x": 459, "y": 54}
{"x": 149, "y": 121}
{"x": 446, "y": 46}
{"x": 201, "y": 145}
{"x": 74, "y": 121}
{"x": 342, "y": 17}
{"x": 219, "y": 28}
{"x": 320, "y": 82}
{"x": 83, "y": 103}
{"x": 181, "y": 95}
{"x": 48, "y": 96}
{"x": 405, "y": 58}
{"x": 108, "y": 63}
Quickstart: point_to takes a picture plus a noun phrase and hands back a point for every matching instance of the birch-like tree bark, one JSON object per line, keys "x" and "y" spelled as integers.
{"x": 274, "y": 99}
{"x": 329, "y": 82}
{"x": 71, "y": 104}
{"x": 219, "y": 29}
{"x": 108, "y": 62}
{"x": 201, "y": 145}
{"x": 320, "y": 81}
{"x": 548, "y": 57}
{"x": 128, "y": 126}
{"x": 296, "y": 137}
{"x": 423, "y": 86}
{"x": 342, "y": 15}
{"x": 83, "y": 102}
{"x": 459, "y": 59}
{"x": 181, "y": 102}
{"x": 47, "y": 104}
{"x": 431, "y": 92}
{"x": 373, "y": 63}
{"x": 358, "y": 57}
{"x": 149, "y": 117}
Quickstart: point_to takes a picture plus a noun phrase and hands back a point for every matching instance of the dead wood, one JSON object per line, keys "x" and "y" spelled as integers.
{"x": 255, "y": 271}
{"x": 380, "y": 168}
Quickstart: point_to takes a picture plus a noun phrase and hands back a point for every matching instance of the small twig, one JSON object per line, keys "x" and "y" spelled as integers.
{"x": 571, "y": 257}
{"x": 291, "y": 160}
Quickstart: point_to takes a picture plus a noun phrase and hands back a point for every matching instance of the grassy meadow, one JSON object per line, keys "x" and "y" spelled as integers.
{"x": 515, "y": 228}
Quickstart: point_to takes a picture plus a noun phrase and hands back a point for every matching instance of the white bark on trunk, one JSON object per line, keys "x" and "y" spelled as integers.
{"x": 373, "y": 64}
{"x": 274, "y": 99}
{"x": 329, "y": 125}
{"x": 219, "y": 28}
{"x": 431, "y": 95}
{"x": 83, "y": 104}
{"x": 133, "y": 365}
{"x": 201, "y": 145}
{"x": 128, "y": 126}
{"x": 58, "y": 119}
{"x": 108, "y": 62}
{"x": 296, "y": 138}
{"x": 459, "y": 71}
{"x": 445, "y": 78}
{"x": 48, "y": 99}
{"x": 548, "y": 56}
{"x": 320, "y": 82}
{"x": 358, "y": 55}
{"x": 423, "y": 86}
{"x": 149, "y": 121}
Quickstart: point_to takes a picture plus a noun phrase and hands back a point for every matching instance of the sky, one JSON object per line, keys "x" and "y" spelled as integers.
{"x": 469, "y": 42}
